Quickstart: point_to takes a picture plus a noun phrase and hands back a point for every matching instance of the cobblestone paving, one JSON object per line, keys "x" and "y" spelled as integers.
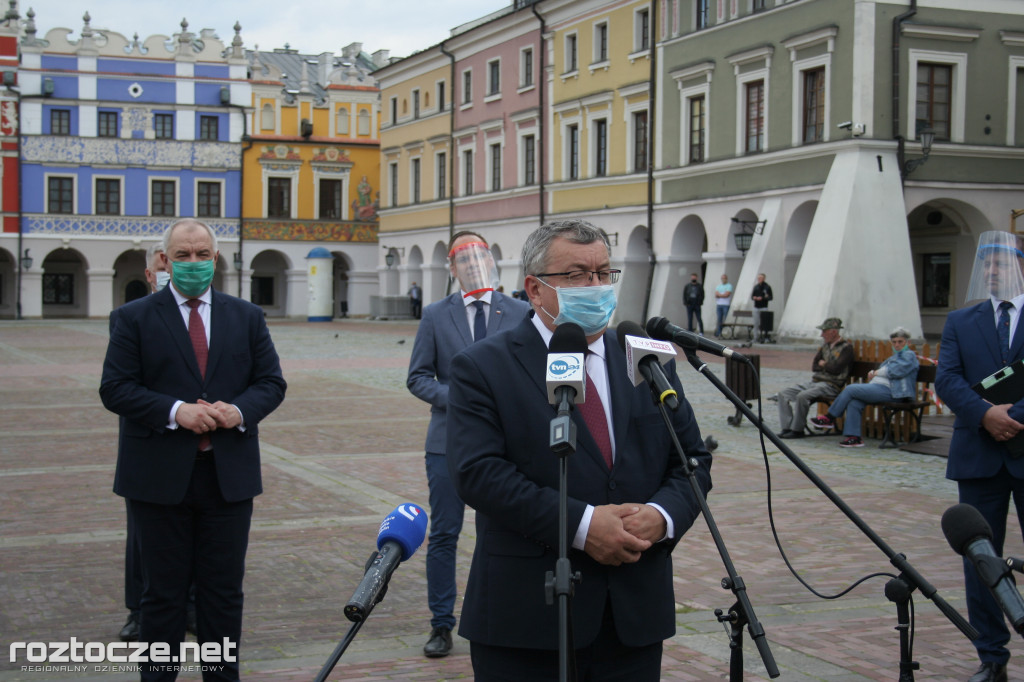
{"x": 346, "y": 447}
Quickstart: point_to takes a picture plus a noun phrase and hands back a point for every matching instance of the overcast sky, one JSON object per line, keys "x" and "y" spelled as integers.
{"x": 310, "y": 26}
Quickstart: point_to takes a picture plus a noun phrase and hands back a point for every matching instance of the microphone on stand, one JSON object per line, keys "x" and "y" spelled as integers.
{"x": 661, "y": 328}
{"x": 566, "y": 380}
{"x": 643, "y": 362}
{"x": 401, "y": 533}
{"x": 969, "y": 534}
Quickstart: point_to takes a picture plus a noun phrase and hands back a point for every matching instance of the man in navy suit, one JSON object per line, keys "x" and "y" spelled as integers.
{"x": 449, "y": 326}
{"x": 192, "y": 372}
{"x": 977, "y": 341}
{"x": 629, "y": 502}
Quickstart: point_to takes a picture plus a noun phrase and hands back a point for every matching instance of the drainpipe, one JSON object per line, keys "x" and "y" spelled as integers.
{"x": 241, "y": 178}
{"x": 541, "y": 118}
{"x": 652, "y": 99}
{"x": 897, "y": 24}
{"x": 21, "y": 193}
{"x": 451, "y": 144}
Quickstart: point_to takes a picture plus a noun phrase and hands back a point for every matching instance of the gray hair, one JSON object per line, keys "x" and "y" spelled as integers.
{"x": 578, "y": 231}
{"x": 152, "y": 251}
{"x": 900, "y": 331}
{"x": 188, "y": 221}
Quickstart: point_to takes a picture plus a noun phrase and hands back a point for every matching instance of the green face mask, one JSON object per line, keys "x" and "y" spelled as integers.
{"x": 192, "y": 278}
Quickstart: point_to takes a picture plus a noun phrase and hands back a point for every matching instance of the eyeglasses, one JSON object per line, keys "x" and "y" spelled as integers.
{"x": 579, "y": 278}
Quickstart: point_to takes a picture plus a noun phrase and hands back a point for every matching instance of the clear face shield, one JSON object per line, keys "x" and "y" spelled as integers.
{"x": 997, "y": 268}
{"x": 473, "y": 266}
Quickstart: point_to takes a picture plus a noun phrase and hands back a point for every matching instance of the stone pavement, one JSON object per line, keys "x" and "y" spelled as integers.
{"x": 346, "y": 447}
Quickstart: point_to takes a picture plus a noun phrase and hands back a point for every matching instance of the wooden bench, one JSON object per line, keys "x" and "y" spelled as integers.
{"x": 741, "y": 319}
{"x": 913, "y": 407}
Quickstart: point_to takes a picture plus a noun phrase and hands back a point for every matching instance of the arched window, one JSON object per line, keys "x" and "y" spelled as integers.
{"x": 342, "y": 123}
{"x": 364, "y": 122}
{"x": 267, "y": 121}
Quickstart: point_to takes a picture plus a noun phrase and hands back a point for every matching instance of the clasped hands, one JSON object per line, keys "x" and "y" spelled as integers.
{"x": 619, "y": 533}
{"x": 202, "y": 417}
{"x": 998, "y": 422}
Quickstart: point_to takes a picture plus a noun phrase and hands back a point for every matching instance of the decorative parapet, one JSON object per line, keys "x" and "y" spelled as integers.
{"x": 101, "y": 151}
{"x": 310, "y": 231}
{"x": 117, "y": 226}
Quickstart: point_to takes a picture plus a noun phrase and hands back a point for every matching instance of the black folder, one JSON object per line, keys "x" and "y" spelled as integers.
{"x": 1005, "y": 386}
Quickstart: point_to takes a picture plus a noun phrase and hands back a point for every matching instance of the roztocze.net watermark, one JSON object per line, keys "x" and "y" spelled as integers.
{"x": 121, "y": 656}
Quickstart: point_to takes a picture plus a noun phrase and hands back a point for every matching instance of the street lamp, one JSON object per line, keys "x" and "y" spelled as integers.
{"x": 389, "y": 257}
{"x": 927, "y": 138}
{"x": 749, "y": 229}
{"x": 26, "y": 261}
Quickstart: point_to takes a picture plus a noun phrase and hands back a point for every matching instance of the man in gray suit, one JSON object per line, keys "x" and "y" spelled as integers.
{"x": 447, "y": 327}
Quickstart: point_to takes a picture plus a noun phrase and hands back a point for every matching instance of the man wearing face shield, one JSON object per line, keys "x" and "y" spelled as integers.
{"x": 628, "y": 500}
{"x": 191, "y": 372}
{"x": 470, "y": 314}
{"x": 978, "y": 340}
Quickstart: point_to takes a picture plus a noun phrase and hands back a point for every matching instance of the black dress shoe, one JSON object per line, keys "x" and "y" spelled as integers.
{"x": 130, "y": 631}
{"x": 788, "y": 433}
{"x": 440, "y": 643}
{"x": 990, "y": 672}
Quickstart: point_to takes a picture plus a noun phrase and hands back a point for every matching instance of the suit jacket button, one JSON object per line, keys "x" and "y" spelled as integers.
{"x": 611, "y": 484}
{"x": 203, "y": 396}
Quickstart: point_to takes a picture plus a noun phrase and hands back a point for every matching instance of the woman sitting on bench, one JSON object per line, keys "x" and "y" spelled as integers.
{"x": 895, "y": 379}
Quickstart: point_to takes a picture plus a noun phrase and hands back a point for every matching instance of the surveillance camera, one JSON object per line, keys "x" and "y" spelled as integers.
{"x": 845, "y": 125}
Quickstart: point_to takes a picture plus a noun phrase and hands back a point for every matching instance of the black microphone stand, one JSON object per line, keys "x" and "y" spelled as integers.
{"x": 908, "y": 574}
{"x": 335, "y": 656}
{"x": 742, "y": 612}
{"x": 560, "y": 583}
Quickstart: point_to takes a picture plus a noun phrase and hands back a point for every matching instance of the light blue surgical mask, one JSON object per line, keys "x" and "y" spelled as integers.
{"x": 589, "y": 307}
{"x": 162, "y": 279}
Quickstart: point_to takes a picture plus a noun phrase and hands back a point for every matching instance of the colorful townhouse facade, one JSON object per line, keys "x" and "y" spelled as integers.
{"x": 783, "y": 138}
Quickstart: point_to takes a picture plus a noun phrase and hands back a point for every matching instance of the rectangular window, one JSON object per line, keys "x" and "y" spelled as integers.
{"x": 440, "y": 96}
{"x": 162, "y": 200}
{"x": 571, "y": 63}
{"x": 279, "y": 198}
{"x": 393, "y": 176}
{"x": 330, "y": 199}
{"x": 640, "y": 141}
{"x": 526, "y": 75}
{"x": 467, "y": 172}
{"x": 643, "y": 30}
{"x": 702, "y": 14}
{"x": 494, "y": 78}
{"x": 394, "y": 110}
{"x": 601, "y": 42}
{"x": 601, "y": 147}
{"x": 814, "y": 105}
{"x": 106, "y": 124}
{"x": 935, "y": 273}
{"x": 415, "y": 104}
{"x": 574, "y": 151}
{"x": 495, "y": 167}
{"x": 208, "y": 199}
{"x": 60, "y": 195}
{"x": 467, "y": 87}
{"x": 263, "y": 290}
{"x": 208, "y": 128}
{"x": 934, "y": 98}
{"x": 59, "y": 288}
{"x": 754, "y": 116}
{"x": 529, "y": 160}
{"x": 697, "y": 129}
{"x": 163, "y": 126}
{"x": 759, "y": 5}
{"x": 60, "y": 122}
{"x": 442, "y": 175}
{"x": 108, "y": 196}
{"x": 415, "y": 168}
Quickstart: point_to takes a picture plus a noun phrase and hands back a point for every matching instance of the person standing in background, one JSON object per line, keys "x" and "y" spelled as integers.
{"x": 723, "y": 297}
{"x": 693, "y": 299}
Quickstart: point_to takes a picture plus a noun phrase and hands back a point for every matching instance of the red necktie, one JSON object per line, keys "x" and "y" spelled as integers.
{"x": 197, "y": 335}
{"x": 592, "y": 410}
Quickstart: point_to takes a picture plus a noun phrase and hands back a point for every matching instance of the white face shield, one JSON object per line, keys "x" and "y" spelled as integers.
{"x": 474, "y": 267}
{"x": 997, "y": 268}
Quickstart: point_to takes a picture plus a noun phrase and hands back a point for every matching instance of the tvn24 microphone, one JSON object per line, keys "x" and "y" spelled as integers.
{"x": 643, "y": 361}
{"x": 969, "y": 534}
{"x": 401, "y": 533}
{"x": 660, "y": 328}
{"x": 566, "y": 370}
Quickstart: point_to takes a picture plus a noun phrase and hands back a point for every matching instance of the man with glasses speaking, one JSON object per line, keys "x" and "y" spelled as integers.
{"x": 629, "y": 502}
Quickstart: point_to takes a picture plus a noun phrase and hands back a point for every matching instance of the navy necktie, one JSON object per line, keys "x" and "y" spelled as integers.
{"x": 480, "y": 321}
{"x": 1004, "y": 330}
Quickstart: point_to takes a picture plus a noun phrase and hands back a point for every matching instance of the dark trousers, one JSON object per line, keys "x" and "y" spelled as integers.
{"x": 446, "y": 514}
{"x": 132, "y": 564}
{"x": 202, "y": 539}
{"x": 693, "y": 311}
{"x": 606, "y": 659}
{"x": 991, "y": 497}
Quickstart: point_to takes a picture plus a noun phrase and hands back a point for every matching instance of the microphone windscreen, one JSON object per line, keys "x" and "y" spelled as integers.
{"x": 656, "y": 328}
{"x": 406, "y": 525}
{"x": 628, "y": 328}
{"x": 962, "y": 524}
{"x": 568, "y": 338}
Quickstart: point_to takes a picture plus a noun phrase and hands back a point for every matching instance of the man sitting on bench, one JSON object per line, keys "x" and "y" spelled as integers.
{"x": 895, "y": 379}
{"x": 830, "y": 370}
